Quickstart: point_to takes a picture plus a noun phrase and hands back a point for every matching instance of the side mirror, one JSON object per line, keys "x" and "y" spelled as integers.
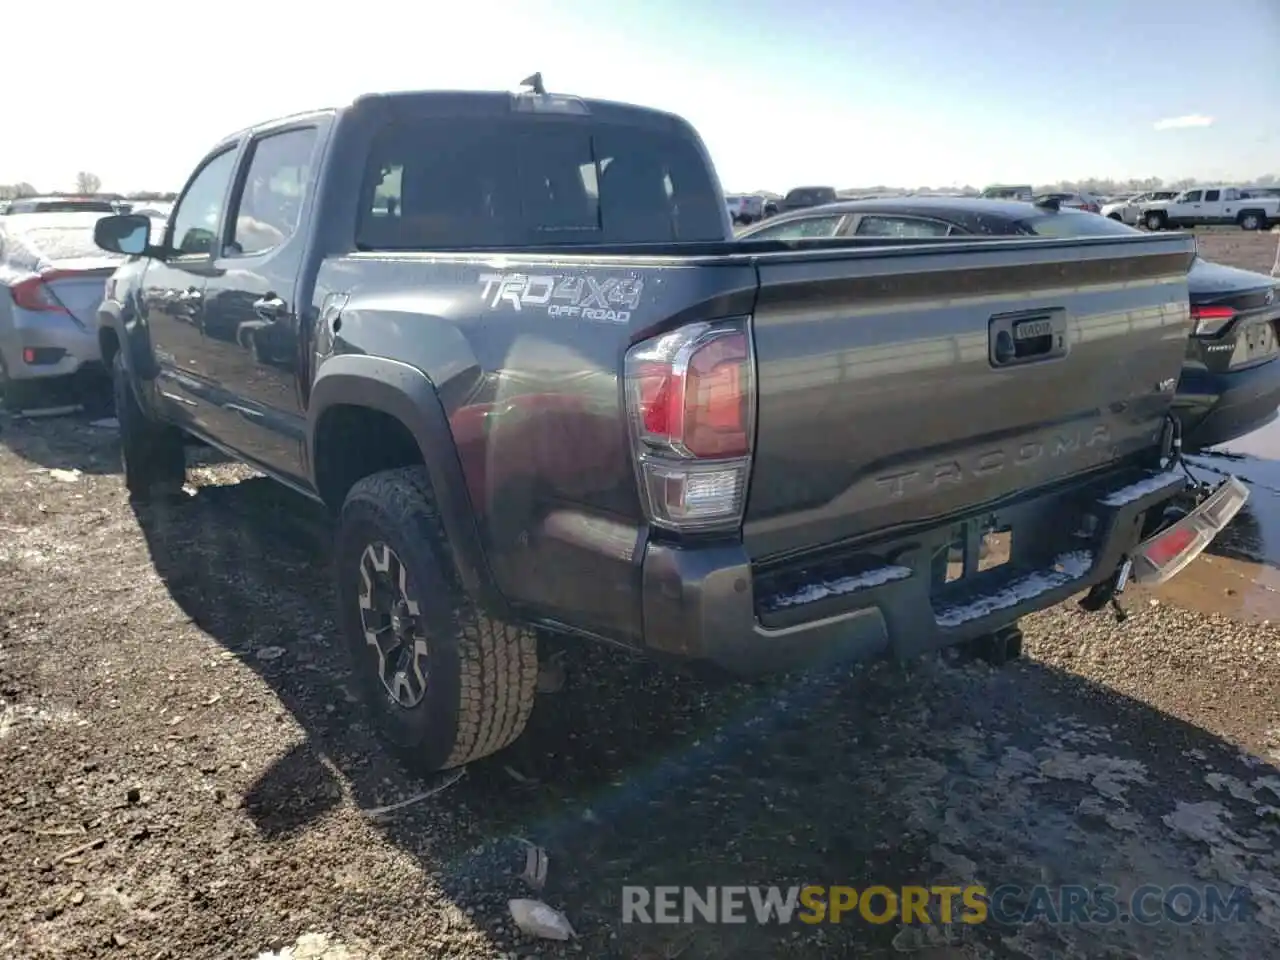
{"x": 127, "y": 233}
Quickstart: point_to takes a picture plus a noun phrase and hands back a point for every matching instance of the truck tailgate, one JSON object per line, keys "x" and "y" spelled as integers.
{"x": 906, "y": 384}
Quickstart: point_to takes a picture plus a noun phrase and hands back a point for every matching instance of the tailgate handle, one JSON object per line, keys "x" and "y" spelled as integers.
{"x": 1028, "y": 337}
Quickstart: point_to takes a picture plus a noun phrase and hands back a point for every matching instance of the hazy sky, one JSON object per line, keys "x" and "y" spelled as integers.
{"x": 842, "y": 92}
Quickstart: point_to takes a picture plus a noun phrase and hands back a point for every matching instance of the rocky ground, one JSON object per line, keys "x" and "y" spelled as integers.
{"x": 184, "y": 773}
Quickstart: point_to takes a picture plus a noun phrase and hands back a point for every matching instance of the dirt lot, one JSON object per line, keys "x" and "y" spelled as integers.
{"x": 183, "y": 772}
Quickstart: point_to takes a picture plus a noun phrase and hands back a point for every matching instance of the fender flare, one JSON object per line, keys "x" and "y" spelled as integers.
{"x": 134, "y": 349}
{"x": 406, "y": 393}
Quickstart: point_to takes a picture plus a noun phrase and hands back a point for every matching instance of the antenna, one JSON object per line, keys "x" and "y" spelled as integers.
{"x": 534, "y": 81}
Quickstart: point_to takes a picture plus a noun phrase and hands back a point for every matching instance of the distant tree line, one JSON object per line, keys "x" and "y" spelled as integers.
{"x": 87, "y": 184}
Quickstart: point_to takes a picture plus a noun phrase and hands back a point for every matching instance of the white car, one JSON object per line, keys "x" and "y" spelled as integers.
{"x": 1127, "y": 209}
{"x": 1212, "y": 206}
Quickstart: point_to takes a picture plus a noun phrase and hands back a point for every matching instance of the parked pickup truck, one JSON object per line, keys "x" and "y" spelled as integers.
{"x": 507, "y": 340}
{"x": 1212, "y": 206}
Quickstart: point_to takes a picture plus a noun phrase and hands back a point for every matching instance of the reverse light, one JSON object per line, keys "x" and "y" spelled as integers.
{"x": 1210, "y": 321}
{"x": 690, "y": 400}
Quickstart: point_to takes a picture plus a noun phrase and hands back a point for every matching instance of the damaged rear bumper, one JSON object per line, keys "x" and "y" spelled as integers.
{"x": 1166, "y": 553}
{"x": 892, "y": 597}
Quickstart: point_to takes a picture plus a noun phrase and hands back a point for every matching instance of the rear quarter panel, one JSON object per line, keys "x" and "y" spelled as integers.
{"x": 525, "y": 354}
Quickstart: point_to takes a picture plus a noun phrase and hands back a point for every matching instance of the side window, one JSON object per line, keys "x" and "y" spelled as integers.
{"x": 800, "y": 229}
{"x": 269, "y": 204}
{"x": 886, "y": 226}
{"x": 1191, "y": 196}
{"x": 1211, "y": 196}
{"x": 195, "y": 218}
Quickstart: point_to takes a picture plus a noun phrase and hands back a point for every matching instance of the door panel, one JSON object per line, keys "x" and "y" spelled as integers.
{"x": 173, "y": 292}
{"x": 251, "y": 324}
{"x": 1211, "y": 207}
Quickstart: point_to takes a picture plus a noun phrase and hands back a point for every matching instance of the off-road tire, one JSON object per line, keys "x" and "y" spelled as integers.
{"x": 152, "y": 455}
{"x": 482, "y": 673}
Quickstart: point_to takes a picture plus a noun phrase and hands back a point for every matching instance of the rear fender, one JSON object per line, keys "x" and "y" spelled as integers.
{"x": 407, "y": 394}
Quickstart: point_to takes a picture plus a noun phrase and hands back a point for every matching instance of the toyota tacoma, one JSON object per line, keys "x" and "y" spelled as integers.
{"x": 507, "y": 339}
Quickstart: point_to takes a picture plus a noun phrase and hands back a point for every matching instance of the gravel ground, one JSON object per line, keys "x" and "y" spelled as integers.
{"x": 183, "y": 772}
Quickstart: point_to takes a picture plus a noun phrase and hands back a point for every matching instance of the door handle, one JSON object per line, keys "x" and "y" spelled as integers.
{"x": 270, "y": 309}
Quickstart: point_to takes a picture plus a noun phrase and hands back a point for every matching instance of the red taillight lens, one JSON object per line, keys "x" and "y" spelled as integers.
{"x": 690, "y": 397}
{"x": 1169, "y": 546}
{"x": 1210, "y": 321}
{"x": 695, "y": 399}
{"x": 34, "y": 294}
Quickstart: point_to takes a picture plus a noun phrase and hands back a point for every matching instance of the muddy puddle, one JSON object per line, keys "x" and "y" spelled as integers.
{"x": 1239, "y": 575}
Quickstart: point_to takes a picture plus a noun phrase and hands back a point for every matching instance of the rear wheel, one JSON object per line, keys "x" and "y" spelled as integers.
{"x": 152, "y": 454}
{"x": 448, "y": 684}
{"x": 1154, "y": 221}
{"x": 1252, "y": 221}
{"x": 1115, "y": 216}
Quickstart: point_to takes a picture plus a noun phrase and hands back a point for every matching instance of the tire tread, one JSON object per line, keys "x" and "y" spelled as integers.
{"x": 498, "y": 662}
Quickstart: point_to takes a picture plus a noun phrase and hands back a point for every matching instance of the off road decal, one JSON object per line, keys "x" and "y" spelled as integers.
{"x": 604, "y": 299}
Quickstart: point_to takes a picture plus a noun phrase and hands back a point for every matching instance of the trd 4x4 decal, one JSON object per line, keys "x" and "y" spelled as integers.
{"x": 607, "y": 299}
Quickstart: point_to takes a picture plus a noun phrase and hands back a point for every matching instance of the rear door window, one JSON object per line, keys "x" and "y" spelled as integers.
{"x": 269, "y": 204}
{"x": 884, "y": 225}
{"x": 800, "y": 229}
{"x": 457, "y": 183}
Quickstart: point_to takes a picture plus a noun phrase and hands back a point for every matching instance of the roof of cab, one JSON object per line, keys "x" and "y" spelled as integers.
{"x": 477, "y": 102}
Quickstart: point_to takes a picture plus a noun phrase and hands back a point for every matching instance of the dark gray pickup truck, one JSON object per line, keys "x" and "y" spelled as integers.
{"x": 506, "y": 340}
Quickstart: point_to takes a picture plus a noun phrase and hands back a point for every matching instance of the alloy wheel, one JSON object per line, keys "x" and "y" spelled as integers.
{"x": 392, "y": 623}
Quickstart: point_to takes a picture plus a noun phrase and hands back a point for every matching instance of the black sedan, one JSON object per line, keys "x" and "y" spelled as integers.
{"x": 1230, "y": 383}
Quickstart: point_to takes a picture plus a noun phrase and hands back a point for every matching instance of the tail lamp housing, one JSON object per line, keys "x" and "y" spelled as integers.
{"x": 691, "y": 398}
{"x": 1211, "y": 321}
{"x": 35, "y": 294}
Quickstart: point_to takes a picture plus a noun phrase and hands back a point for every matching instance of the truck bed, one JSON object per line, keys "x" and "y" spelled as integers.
{"x": 878, "y": 407}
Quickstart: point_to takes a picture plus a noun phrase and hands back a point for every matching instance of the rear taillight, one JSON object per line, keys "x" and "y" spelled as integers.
{"x": 34, "y": 294}
{"x": 691, "y": 404}
{"x": 1210, "y": 321}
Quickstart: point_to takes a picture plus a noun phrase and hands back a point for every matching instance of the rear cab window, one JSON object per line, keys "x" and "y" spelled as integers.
{"x": 1074, "y": 223}
{"x": 456, "y": 183}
